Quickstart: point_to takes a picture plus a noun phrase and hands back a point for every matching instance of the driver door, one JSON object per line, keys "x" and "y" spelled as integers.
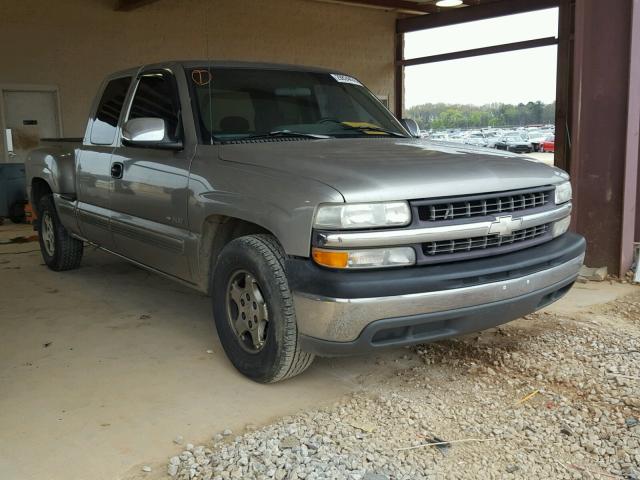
{"x": 149, "y": 197}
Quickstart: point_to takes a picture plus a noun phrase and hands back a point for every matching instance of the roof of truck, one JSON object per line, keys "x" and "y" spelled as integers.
{"x": 226, "y": 64}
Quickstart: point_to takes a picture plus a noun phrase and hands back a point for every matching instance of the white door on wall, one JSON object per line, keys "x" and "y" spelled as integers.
{"x": 29, "y": 116}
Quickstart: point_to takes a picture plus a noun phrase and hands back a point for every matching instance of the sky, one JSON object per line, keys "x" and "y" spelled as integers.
{"x": 512, "y": 77}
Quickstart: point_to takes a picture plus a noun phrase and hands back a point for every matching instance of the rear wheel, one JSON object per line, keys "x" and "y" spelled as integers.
{"x": 60, "y": 250}
{"x": 253, "y": 310}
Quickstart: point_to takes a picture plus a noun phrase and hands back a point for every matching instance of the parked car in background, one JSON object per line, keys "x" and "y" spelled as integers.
{"x": 514, "y": 142}
{"x": 548, "y": 144}
{"x": 476, "y": 138}
{"x": 491, "y": 138}
{"x": 536, "y": 137}
{"x": 439, "y": 137}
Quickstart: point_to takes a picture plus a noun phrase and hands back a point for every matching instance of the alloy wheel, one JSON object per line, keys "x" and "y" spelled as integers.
{"x": 247, "y": 311}
{"x": 48, "y": 235}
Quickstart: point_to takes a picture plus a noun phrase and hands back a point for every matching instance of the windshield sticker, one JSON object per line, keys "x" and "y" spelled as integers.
{"x": 345, "y": 79}
{"x": 201, "y": 77}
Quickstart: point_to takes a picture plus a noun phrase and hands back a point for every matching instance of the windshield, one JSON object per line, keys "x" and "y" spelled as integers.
{"x": 240, "y": 103}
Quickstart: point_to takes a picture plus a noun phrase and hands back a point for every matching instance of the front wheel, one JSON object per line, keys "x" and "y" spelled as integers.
{"x": 60, "y": 250}
{"x": 253, "y": 310}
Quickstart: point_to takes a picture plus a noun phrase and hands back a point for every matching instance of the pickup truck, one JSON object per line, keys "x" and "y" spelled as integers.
{"x": 318, "y": 223}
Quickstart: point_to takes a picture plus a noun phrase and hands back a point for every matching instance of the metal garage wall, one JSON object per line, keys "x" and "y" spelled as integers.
{"x": 73, "y": 43}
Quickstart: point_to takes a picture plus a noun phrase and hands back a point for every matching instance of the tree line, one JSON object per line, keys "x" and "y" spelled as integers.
{"x": 442, "y": 115}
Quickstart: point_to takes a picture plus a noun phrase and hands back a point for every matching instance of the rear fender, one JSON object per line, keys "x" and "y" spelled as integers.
{"x": 54, "y": 164}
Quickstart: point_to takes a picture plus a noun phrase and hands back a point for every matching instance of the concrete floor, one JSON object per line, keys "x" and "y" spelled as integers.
{"x": 545, "y": 157}
{"x": 101, "y": 368}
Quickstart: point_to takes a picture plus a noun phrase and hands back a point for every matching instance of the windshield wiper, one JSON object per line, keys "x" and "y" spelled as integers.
{"x": 285, "y": 133}
{"x": 366, "y": 128}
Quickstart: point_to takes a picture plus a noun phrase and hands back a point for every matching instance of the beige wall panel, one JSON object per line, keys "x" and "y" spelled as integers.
{"x": 73, "y": 44}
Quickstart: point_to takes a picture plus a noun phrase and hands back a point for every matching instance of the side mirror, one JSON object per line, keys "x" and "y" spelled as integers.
{"x": 411, "y": 126}
{"x": 148, "y": 132}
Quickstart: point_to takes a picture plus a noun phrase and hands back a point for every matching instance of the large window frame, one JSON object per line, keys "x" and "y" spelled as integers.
{"x": 491, "y": 10}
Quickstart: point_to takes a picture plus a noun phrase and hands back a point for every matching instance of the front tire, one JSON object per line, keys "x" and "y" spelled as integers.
{"x": 60, "y": 250}
{"x": 254, "y": 312}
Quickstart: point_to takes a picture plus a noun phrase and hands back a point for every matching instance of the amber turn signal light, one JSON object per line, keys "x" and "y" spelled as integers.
{"x": 330, "y": 258}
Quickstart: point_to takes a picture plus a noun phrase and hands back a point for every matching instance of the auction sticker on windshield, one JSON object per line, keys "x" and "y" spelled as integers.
{"x": 345, "y": 79}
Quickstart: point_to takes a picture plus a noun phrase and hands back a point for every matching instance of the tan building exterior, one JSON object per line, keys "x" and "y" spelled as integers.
{"x": 72, "y": 44}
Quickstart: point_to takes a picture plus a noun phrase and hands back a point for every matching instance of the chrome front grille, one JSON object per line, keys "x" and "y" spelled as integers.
{"x": 447, "y": 247}
{"x": 482, "y": 206}
{"x": 453, "y": 229}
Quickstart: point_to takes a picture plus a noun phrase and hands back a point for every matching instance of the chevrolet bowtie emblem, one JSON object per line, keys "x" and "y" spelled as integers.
{"x": 504, "y": 226}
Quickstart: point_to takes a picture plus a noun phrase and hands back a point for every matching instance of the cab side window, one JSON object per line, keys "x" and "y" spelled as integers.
{"x": 105, "y": 123}
{"x": 157, "y": 97}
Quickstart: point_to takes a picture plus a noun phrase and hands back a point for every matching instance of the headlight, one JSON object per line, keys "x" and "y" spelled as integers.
{"x": 563, "y": 192}
{"x": 561, "y": 226}
{"x": 363, "y": 215}
{"x": 371, "y": 258}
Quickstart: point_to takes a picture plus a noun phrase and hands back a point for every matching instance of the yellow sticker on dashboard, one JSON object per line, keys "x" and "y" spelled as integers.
{"x": 373, "y": 126}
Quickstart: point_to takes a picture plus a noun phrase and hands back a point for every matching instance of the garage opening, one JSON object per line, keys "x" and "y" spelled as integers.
{"x": 488, "y": 83}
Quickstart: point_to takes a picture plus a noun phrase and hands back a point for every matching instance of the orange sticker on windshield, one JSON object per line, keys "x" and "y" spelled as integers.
{"x": 201, "y": 77}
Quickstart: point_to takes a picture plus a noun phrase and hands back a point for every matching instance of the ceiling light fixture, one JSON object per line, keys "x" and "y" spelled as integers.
{"x": 448, "y": 3}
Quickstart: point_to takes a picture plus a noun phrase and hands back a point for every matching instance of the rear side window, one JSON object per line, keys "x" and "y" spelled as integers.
{"x": 103, "y": 131}
{"x": 157, "y": 97}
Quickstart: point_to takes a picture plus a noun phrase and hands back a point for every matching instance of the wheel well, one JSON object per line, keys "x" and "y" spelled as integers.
{"x": 217, "y": 231}
{"x": 39, "y": 188}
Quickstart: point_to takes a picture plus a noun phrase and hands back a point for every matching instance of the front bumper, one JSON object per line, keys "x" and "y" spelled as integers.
{"x": 342, "y": 313}
{"x": 520, "y": 148}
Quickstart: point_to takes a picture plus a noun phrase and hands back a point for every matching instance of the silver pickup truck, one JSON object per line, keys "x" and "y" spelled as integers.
{"x": 317, "y": 222}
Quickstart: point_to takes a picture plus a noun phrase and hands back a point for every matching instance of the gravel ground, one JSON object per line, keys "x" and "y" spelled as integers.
{"x": 548, "y": 396}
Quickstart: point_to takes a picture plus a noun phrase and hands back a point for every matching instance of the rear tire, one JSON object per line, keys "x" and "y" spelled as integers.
{"x": 60, "y": 250}
{"x": 250, "y": 270}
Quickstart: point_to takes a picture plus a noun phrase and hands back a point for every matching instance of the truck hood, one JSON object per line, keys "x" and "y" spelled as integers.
{"x": 378, "y": 169}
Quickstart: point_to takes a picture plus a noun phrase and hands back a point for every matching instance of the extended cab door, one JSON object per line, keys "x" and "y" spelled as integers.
{"x": 149, "y": 197}
{"x": 94, "y": 179}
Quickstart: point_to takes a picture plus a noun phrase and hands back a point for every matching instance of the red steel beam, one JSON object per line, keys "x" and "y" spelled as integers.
{"x": 599, "y": 126}
{"x": 398, "y": 97}
{"x": 564, "y": 61}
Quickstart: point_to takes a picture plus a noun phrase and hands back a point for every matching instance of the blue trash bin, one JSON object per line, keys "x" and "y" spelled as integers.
{"x": 13, "y": 191}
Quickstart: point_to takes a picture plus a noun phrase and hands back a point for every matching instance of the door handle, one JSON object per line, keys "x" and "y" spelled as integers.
{"x": 117, "y": 169}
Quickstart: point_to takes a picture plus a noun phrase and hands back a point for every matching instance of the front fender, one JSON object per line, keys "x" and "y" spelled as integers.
{"x": 279, "y": 202}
